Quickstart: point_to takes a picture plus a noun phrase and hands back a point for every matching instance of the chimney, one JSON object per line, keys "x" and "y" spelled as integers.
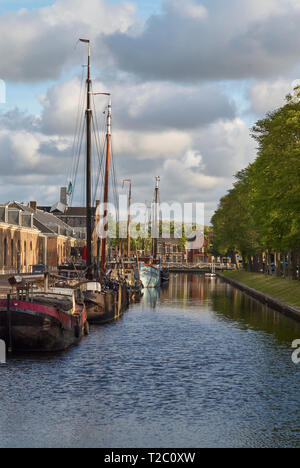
{"x": 64, "y": 196}
{"x": 33, "y": 205}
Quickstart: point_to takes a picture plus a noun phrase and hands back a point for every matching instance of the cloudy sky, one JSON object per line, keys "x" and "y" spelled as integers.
{"x": 188, "y": 80}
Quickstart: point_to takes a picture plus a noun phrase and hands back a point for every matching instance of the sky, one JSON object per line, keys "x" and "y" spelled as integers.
{"x": 188, "y": 81}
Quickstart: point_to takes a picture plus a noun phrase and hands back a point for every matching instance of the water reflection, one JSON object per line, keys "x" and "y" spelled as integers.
{"x": 195, "y": 364}
{"x": 151, "y": 297}
{"x": 230, "y": 304}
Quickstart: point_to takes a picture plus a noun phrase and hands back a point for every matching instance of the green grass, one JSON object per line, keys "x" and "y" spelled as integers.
{"x": 285, "y": 290}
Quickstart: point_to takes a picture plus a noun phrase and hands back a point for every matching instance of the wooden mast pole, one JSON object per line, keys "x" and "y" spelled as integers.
{"x": 156, "y": 218}
{"x": 129, "y": 217}
{"x": 89, "y": 273}
{"x": 106, "y": 185}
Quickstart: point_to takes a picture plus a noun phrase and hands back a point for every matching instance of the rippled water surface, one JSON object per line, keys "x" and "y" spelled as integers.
{"x": 196, "y": 364}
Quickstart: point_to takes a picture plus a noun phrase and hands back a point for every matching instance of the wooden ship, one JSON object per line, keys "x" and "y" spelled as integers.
{"x": 105, "y": 297}
{"x": 37, "y": 317}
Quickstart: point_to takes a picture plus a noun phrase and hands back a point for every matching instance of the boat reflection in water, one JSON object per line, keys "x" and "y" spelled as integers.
{"x": 151, "y": 297}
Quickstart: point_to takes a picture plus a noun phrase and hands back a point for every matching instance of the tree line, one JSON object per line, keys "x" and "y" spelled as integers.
{"x": 259, "y": 218}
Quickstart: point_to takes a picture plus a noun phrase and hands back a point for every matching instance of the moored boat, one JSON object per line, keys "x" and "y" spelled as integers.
{"x": 150, "y": 275}
{"x": 212, "y": 273}
{"x": 105, "y": 299}
{"x": 33, "y": 320}
{"x": 164, "y": 275}
{"x": 105, "y": 303}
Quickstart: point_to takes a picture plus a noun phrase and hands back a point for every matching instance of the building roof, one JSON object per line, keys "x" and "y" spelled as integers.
{"x": 46, "y": 222}
{"x": 79, "y": 211}
{"x": 59, "y": 206}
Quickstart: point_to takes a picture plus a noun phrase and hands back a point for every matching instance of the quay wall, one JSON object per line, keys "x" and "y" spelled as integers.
{"x": 283, "y": 307}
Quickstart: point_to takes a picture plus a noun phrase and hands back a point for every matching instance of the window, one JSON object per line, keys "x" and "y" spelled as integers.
{"x": 5, "y": 252}
{"x": 25, "y": 256}
{"x": 12, "y": 252}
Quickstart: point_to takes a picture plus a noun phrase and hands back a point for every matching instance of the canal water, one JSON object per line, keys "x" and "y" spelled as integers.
{"x": 195, "y": 364}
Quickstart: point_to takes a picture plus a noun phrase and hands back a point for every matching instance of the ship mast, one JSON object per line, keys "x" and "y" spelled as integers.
{"x": 129, "y": 217}
{"x": 106, "y": 185}
{"x": 89, "y": 273}
{"x": 156, "y": 217}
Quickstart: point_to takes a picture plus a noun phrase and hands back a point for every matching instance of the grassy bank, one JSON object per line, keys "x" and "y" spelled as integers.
{"x": 284, "y": 290}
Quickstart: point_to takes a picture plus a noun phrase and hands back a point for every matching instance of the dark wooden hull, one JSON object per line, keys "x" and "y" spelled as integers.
{"x": 104, "y": 307}
{"x": 164, "y": 275}
{"x": 31, "y": 327}
{"x": 136, "y": 294}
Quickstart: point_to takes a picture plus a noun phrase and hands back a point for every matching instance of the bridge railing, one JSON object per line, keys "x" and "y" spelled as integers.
{"x": 199, "y": 266}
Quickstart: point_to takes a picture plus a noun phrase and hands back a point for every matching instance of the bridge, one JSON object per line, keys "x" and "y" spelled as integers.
{"x": 197, "y": 267}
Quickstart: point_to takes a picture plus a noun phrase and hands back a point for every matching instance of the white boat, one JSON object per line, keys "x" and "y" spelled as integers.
{"x": 150, "y": 275}
{"x": 212, "y": 274}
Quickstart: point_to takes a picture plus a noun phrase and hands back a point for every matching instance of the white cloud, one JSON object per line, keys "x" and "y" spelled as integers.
{"x": 226, "y": 147}
{"x": 38, "y": 45}
{"x": 236, "y": 39}
{"x": 188, "y": 172}
{"x": 150, "y": 107}
{"x": 25, "y": 153}
{"x": 151, "y": 145}
{"x": 269, "y": 95}
{"x": 60, "y": 107}
{"x": 187, "y": 133}
{"x": 188, "y": 8}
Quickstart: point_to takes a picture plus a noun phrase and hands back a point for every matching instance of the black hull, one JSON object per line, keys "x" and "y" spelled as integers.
{"x": 136, "y": 294}
{"x": 164, "y": 276}
{"x": 106, "y": 307}
{"x": 32, "y": 333}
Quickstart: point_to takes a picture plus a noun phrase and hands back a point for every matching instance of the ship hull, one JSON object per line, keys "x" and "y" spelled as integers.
{"x": 150, "y": 276}
{"x": 31, "y": 327}
{"x": 164, "y": 275}
{"x": 104, "y": 307}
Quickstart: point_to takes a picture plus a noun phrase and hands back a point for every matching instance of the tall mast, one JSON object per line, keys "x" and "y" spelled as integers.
{"x": 129, "y": 217}
{"x": 156, "y": 217}
{"x": 106, "y": 184}
{"x": 88, "y": 166}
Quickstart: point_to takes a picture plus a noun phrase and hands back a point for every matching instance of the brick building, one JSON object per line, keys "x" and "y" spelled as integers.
{"x": 19, "y": 241}
{"x": 169, "y": 250}
{"x": 30, "y": 236}
{"x": 195, "y": 250}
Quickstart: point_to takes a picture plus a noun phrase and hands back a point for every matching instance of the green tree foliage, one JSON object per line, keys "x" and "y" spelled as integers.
{"x": 275, "y": 176}
{"x": 262, "y": 210}
{"x": 234, "y": 227}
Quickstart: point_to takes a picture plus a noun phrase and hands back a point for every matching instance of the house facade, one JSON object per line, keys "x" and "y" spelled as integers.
{"x": 29, "y": 236}
{"x": 19, "y": 241}
{"x": 169, "y": 251}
